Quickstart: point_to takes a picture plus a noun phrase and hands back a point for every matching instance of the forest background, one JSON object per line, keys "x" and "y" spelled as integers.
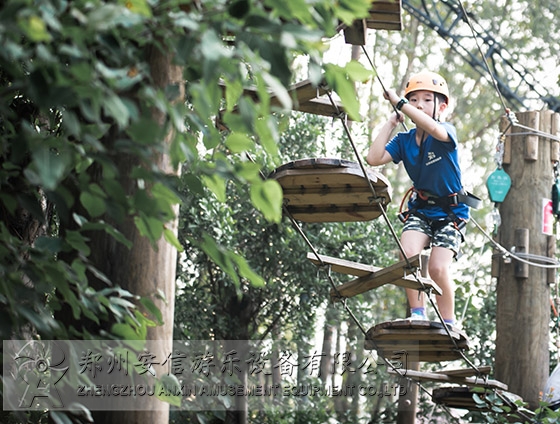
{"x": 127, "y": 212}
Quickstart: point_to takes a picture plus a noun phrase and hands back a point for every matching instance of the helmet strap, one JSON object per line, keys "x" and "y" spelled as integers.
{"x": 435, "y": 107}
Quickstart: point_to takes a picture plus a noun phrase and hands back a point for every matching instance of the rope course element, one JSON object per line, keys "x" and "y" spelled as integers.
{"x": 527, "y": 258}
{"x": 428, "y": 290}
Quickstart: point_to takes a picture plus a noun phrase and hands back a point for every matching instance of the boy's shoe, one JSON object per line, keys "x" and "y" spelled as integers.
{"x": 417, "y": 316}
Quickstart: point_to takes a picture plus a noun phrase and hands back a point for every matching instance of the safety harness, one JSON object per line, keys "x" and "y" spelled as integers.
{"x": 425, "y": 199}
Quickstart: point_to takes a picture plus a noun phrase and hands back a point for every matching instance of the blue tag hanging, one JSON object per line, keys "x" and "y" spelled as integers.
{"x": 498, "y": 184}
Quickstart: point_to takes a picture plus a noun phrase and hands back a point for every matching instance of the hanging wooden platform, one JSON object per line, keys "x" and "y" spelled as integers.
{"x": 305, "y": 98}
{"x": 331, "y": 190}
{"x": 370, "y": 277}
{"x": 383, "y": 14}
{"x": 424, "y": 341}
{"x": 461, "y": 397}
{"x": 455, "y": 377}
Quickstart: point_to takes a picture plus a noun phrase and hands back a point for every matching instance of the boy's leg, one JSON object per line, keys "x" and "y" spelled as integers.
{"x": 439, "y": 270}
{"x": 446, "y": 243}
{"x": 413, "y": 242}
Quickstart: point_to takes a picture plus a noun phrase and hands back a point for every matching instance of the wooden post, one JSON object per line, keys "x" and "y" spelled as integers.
{"x": 523, "y": 292}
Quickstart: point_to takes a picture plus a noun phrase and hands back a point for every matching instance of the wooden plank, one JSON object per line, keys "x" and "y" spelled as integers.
{"x": 424, "y": 341}
{"x": 431, "y": 334}
{"x": 305, "y": 91}
{"x": 370, "y": 282}
{"x": 462, "y": 397}
{"x": 385, "y": 15}
{"x": 356, "y": 33}
{"x": 467, "y": 381}
{"x": 327, "y": 178}
{"x": 331, "y": 190}
{"x": 339, "y": 196}
{"x": 442, "y": 355}
{"x": 305, "y": 97}
{"x": 394, "y": 274}
{"x": 396, "y": 26}
{"x": 321, "y": 107}
{"x": 385, "y": 6}
{"x": 334, "y": 213}
{"x": 342, "y": 266}
{"x": 467, "y": 372}
{"x": 459, "y": 397}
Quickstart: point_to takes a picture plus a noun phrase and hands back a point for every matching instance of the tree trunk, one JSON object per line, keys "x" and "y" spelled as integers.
{"x": 143, "y": 270}
{"x": 523, "y": 291}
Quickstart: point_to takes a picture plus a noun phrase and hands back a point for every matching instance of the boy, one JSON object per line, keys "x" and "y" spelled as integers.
{"x": 436, "y": 209}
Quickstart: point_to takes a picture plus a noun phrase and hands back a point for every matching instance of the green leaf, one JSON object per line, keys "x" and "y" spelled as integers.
{"x": 171, "y": 238}
{"x": 144, "y": 131}
{"x": 234, "y": 89}
{"x": 358, "y": 72}
{"x": 124, "y": 331}
{"x": 193, "y": 183}
{"x": 52, "y": 244}
{"x": 338, "y": 80}
{"x": 237, "y": 143}
{"x": 48, "y": 167}
{"x": 153, "y": 309}
{"x": 168, "y": 389}
{"x": 248, "y": 171}
{"x": 114, "y": 107}
{"x": 268, "y": 136}
{"x": 246, "y": 272}
{"x": 350, "y": 10}
{"x": 35, "y": 28}
{"x": 78, "y": 242}
{"x": 95, "y": 205}
{"x": 212, "y": 47}
{"x": 278, "y": 90}
{"x": 216, "y": 184}
{"x": 109, "y": 229}
{"x": 149, "y": 227}
{"x": 219, "y": 256}
{"x": 138, "y": 6}
{"x": 9, "y": 202}
{"x": 267, "y": 196}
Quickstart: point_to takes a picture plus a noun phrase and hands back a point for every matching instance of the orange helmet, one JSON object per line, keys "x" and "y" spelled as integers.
{"x": 429, "y": 81}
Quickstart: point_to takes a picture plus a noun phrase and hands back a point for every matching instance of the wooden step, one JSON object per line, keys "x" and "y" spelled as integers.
{"x": 437, "y": 377}
{"x": 370, "y": 277}
{"x": 461, "y": 397}
{"x": 306, "y": 97}
{"x": 423, "y": 341}
{"x": 331, "y": 190}
{"x": 467, "y": 372}
{"x": 383, "y": 14}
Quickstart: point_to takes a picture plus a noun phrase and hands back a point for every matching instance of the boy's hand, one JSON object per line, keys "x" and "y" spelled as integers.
{"x": 391, "y": 95}
{"x": 396, "y": 118}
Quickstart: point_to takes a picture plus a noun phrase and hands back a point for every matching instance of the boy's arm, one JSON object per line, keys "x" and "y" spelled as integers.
{"x": 377, "y": 154}
{"x": 422, "y": 120}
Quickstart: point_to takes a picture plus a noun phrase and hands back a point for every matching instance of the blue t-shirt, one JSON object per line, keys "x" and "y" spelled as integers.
{"x": 433, "y": 167}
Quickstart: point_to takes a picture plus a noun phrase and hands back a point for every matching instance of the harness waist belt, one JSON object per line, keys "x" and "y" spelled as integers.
{"x": 453, "y": 199}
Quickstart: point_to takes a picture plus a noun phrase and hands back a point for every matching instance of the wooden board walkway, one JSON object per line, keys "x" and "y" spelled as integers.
{"x": 424, "y": 341}
{"x": 371, "y": 277}
{"x": 383, "y": 14}
{"x": 305, "y": 96}
{"x": 461, "y": 397}
{"x": 440, "y": 377}
{"x": 331, "y": 190}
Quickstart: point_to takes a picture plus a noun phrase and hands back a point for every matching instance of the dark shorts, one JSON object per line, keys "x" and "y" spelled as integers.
{"x": 442, "y": 233}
